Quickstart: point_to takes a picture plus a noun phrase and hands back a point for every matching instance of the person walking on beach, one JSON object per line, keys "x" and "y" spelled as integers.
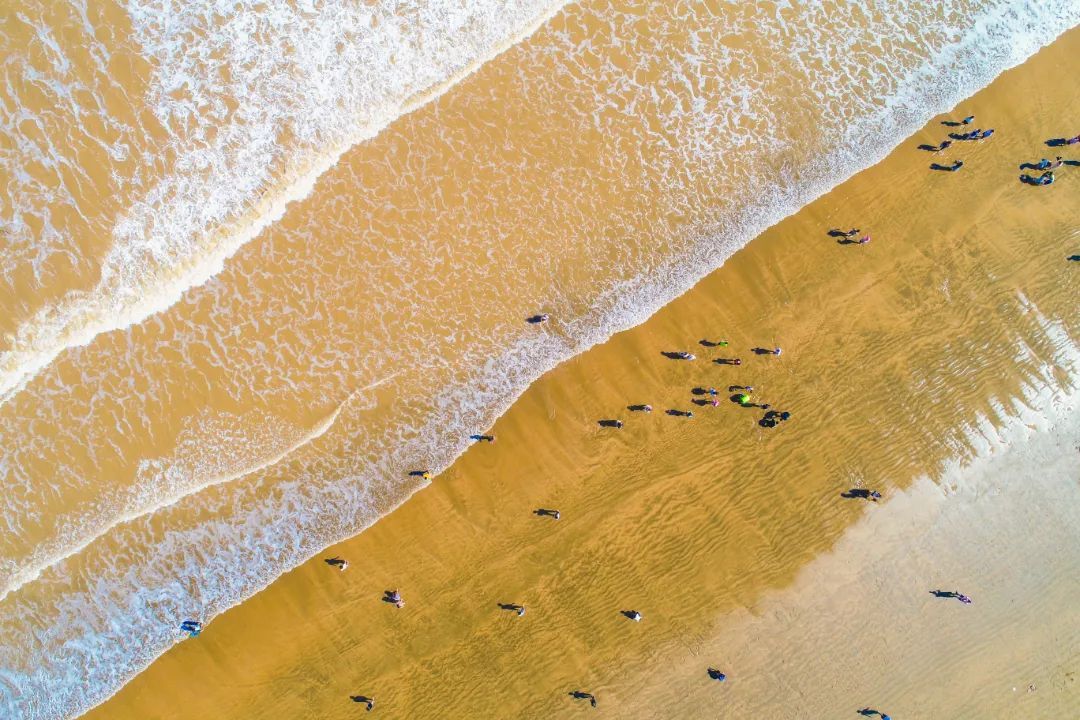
{"x": 948, "y": 168}
{"x": 514, "y": 607}
{"x": 717, "y": 675}
{"x": 369, "y": 701}
{"x": 862, "y": 493}
{"x": 639, "y": 408}
{"x": 837, "y": 232}
{"x": 542, "y": 512}
{"x": 537, "y": 319}
{"x": 394, "y": 598}
{"x": 579, "y": 695}
{"x": 337, "y": 562}
{"x": 191, "y": 627}
{"x": 483, "y": 438}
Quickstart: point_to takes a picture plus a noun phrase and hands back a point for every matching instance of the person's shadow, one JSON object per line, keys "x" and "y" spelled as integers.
{"x": 579, "y": 695}
{"x": 1057, "y": 142}
{"x": 870, "y": 712}
{"x": 929, "y": 148}
{"x": 947, "y": 168}
{"x": 952, "y": 123}
{"x": 944, "y": 594}
{"x": 609, "y": 423}
{"x": 673, "y": 355}
{"x": 767, "y": 351}
{"x": 837, "y": 232}
{"x": 849, "y": 241}
{"x": 370, "y": 702}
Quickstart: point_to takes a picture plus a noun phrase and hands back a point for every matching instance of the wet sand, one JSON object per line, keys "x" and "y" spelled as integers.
{"x": 893, "y": 351}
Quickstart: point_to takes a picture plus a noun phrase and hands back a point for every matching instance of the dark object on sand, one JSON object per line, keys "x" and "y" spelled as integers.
{"x": 1047, "y": 178}
{"x": 862, "y": 494}
{"x": 369, "y": 701}
{"x": 952, "y": 594}
{"x": 579, "y": 695}
{"x": 948, "y": 168}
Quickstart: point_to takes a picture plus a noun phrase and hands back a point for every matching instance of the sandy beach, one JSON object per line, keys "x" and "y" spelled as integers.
{"x": 936, "y": 364}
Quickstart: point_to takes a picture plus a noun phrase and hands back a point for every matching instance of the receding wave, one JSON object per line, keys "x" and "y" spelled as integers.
{"x": 250, "y": 105}
{"x": 197, "y": 463}
{"x": 701, "y": 156}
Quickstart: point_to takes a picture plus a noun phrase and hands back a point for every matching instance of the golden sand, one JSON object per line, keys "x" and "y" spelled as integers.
{"x": 720, "y": 532}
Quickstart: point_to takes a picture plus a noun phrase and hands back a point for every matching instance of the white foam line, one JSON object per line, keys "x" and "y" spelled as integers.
{"x": 82, "y": 316}
{"x": 32, "y": 573}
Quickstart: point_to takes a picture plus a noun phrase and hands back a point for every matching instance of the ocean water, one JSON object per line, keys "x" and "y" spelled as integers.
{"x": 203, "y": 385}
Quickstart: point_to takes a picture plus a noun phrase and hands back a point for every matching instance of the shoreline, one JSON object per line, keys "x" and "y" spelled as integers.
{"x": 565, "y": 369}
{"x": 613, "y": 188}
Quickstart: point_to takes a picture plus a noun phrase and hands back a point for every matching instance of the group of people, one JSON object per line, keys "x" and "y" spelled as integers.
{"x": 977, "y": 134}
{"x": 742, "y": 396}
{"x": 1047, "y": 166}
{"x": 742, "y": 392}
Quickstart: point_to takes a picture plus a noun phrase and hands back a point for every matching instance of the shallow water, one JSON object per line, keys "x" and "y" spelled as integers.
{"x": 593, "y": 171}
